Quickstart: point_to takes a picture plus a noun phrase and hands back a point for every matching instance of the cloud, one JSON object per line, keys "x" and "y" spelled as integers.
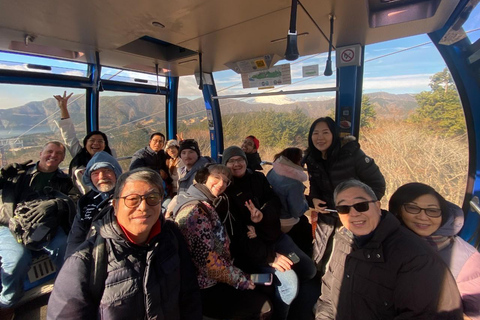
{"x": 412, "y": 83}
{"x": 188, "y": 88}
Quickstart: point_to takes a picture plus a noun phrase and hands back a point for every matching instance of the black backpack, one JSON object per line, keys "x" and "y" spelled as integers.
{"x": 35, "y": 222}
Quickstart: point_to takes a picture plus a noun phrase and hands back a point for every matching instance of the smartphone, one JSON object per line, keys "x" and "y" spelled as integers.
{"x": 293, "y": 256}
{"x": 265, "y": 279}
{"x": 330, "y": 210}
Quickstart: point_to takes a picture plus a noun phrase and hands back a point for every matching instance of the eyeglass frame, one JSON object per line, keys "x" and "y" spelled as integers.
{"x": 355, "y": 206}
{"x": 236, "y": 161}
{"x": 99, "y": 141}
{"x": 218, "y": 178}
{"x": 142, "y": 197}
{"x": 420, "y": 210}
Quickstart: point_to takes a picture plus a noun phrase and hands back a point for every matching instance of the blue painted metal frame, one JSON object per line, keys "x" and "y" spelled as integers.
{"x": 468, "y": 87}
{"x": 349, "y": 95}
{"x": 171, "y": 112}
{"x": 212, "y": 105}
{"x": 93, "y": 96}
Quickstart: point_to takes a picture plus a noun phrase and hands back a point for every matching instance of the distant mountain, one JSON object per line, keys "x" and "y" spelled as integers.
{"x": 145, "y": 109}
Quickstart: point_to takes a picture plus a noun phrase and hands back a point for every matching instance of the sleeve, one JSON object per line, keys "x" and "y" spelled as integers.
{"x": 468, "y": 282}
{"x": 197, "y": 230}
{"x": 369, "y": 173}
{"x": 324, "y": 305}
{"x": 190, "y": 299}
{"x": 77, "y": 235}
{"x": 270, "y": 206}
{"x": 70, "y": 298}
{"x": 138, "y": 161}
{"x": 67, "y": 129}
{"x": 425, "y": 289}
{"x": 297, "y": 204}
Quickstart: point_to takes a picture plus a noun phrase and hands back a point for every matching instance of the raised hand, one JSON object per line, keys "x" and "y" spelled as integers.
{"x": 62, "y": 104}
{"x": 255, "y": 214}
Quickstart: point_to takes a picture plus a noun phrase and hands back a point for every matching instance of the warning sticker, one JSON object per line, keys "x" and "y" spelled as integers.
{"x": 349, "y": 56}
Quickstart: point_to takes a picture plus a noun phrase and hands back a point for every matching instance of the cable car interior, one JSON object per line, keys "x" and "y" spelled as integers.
{"x": 159, "y": 42}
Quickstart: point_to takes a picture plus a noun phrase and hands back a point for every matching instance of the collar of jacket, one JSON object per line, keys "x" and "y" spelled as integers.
{"x": 372, "y": 251}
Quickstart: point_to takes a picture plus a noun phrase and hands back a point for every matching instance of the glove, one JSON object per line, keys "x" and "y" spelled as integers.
{"x": 11, "y": 170}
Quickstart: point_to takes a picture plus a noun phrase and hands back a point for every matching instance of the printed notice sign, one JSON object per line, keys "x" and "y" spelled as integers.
{"x": 310, "y": 71}
{"x": 274, "y": 76}
{"x": 349, "y": 56}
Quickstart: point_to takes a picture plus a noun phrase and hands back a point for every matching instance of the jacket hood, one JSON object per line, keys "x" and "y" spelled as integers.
{"x": 193, "y": 193}
{"x": 454, "y": 221}
{"x": 100, "y": 160}
{"x": 284, "y": 167}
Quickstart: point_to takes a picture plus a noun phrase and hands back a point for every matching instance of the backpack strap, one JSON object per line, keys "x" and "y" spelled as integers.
{"x": 98, "y": 273}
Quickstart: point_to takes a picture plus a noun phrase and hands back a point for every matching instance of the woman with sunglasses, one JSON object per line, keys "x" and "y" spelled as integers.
{"x": 330, "y": 161}
{"x": 424, "y": 211}
{"x": 227, "y": 292}
{"x": 94, "y": 141}
{"x": 148, "y": 272}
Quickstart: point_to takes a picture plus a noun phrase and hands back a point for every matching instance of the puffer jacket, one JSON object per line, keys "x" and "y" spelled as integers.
{"x": 463, "y": 260}
{"x": 146, "y": 157}
{"x": 350, "y": 163}
{"x": 18, "y": 189}
{"x": 395, "y": 275}
{"x": 251, "y": 253}
{"x": 207, "y": 240}
{"x": 155, "y": 281}
{"x": 286, "y": 179}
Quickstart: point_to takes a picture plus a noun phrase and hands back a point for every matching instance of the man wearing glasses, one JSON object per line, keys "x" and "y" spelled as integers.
{"x": 380, "y": 270}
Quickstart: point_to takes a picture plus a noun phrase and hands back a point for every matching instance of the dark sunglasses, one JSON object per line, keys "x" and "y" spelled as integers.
{"x": 360, "y": 207}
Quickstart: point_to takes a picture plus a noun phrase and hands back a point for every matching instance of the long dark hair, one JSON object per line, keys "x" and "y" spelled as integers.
{"x": 411, "y": 191}
{"x": 334, "y": 147}
{"x": 82, "y": 158}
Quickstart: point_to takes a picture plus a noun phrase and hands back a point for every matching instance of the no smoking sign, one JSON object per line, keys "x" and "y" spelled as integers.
{"x": 348, "y": 56}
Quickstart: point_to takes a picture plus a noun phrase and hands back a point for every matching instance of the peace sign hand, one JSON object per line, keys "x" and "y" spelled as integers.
{"x": 255, "y": 214}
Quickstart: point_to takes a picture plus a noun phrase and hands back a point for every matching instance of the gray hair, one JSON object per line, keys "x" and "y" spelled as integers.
{"x": 140, "y": 174}
{"x": 353, "y": 184}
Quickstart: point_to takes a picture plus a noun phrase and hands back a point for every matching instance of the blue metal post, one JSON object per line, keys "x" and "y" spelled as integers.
{"x": 93, "y": 95}
{"x": 349, "y": 97}
{"x": 468, "y": 87}
{"x": 214, "y": 118}
{"x": 171, "y": 102}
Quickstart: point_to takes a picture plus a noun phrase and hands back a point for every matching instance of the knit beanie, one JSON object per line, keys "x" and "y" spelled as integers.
{"x": 233, "y": 151}
{"x": 172, "y": 143}
{"x": 189, "y": 144}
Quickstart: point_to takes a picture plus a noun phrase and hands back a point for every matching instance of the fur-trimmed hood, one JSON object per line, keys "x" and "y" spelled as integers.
{"x": 284, "y": 167}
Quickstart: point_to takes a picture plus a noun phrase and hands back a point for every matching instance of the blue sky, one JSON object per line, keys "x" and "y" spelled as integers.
{"x": 404, "y": 72}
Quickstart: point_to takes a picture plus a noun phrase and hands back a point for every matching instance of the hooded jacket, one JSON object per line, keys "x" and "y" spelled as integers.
{"x": 91, "y": 204}
{"x": 153, "y": 281}
{"x": 207, "y": 239}
{"x": 462, "y": 259}
{"x": 146, "y": 157}
{"x": 185, "y": 178}
{"x": 395, "y": 275}
{"x": 286, "y": 179}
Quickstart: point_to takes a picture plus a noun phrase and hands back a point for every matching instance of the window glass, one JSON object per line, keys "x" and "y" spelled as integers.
{"x": 128, "y": 120}
{"x": 28, "y": 119}
{"x": 412, "y": 121}
{"x": 22, "y": 62}
{"x": 277, "y": 121}
{"x": 472, "y": 25}
{"x": 132, "y": 77}
{"x": 192, "y": 115}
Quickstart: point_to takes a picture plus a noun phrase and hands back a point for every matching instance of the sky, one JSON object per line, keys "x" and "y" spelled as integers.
{"x": 386, "y": 69}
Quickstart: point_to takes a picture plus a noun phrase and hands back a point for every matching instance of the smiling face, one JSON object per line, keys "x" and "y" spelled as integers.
{"x": 237, "y": 165}
{"x": 138, "y": 221}
{"x": 217, "y": 183}
{"x": 95, "y": 144}
{"x": 103, "y": 179}
{"x": 420, "y": 223}
{"x": 156, "y": 143}
{"x": 50, "y": 157}
{"x": 248, "y": 146}
{"x": 359, "y": 223}
{"x": 322, "y": 137}
{"x": 172, "y": 152}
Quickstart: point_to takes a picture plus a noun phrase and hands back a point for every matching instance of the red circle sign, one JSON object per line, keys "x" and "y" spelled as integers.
{"x": 347, "y": 55}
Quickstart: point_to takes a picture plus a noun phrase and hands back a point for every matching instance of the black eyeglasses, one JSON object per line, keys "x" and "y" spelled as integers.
{"x": 360, "y": 207}
{"x": 134, "y": 200}
{"x": 431, "y": 212}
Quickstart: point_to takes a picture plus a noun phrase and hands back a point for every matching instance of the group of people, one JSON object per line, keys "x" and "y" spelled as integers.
{"x": 181, "y": 237}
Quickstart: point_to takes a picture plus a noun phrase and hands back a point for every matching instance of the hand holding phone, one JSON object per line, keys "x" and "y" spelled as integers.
{"x": 265, "y": 279}
{"x": 293, "y": 257}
